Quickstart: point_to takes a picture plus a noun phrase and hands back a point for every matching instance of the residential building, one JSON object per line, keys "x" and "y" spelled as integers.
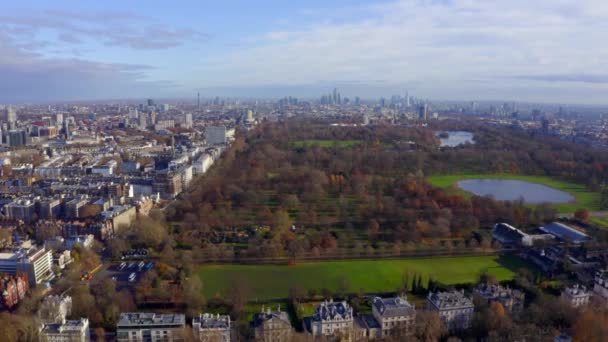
{"x": 36, "y": 262}
{"x": 512, "y": 300}
{"x": 66, "y": 331}
{"x": 21, "y": 209}
{"x": 332, "y": 320}
{"x": 150, "y": 327}
{"x": 454, "y": 308}
{"x": 211, "y": 328}
{"x": 13, "y": 289}
{"x": 576, "y": 295}
{"x": 49, "y": 208}
{"x": 216, "y": 135}
{"x": 600, "y": 287}
{"x": 272, "y": 326}
{"x": 396, "y": 316}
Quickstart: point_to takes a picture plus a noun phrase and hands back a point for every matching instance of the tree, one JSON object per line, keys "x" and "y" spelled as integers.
{"x": 193, "y": 295}
{"x": 581, "y": 214}
{"x": 429, "y": 326}
{"x": 591, "y": 326}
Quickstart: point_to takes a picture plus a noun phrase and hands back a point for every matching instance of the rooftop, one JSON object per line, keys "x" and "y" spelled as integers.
{"x": 565, "y": 232}
{"x": 449, "y": 300}
{"x": 395, "y": 306}
{"x": 136, "y": 319}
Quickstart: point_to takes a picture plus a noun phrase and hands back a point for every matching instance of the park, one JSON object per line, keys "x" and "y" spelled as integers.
{"x": 270, "y": 282}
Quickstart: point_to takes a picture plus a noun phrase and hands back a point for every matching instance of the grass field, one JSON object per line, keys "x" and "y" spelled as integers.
{"x": 601, "y": 222}
{"x": 274, "y": 281}
{"x": 327, "y": 143}
{"x": 583, "y": 197}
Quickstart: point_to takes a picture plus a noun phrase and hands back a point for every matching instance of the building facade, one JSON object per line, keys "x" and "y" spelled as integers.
{"x": 396, "y": 316}
{"x": 576, "y": 295}
{"x": 150, "y": 327}
{"x": 454, "y": 309}
{"x": 332, "y": 320}
{"x": 211, "y": 328}
{"x": 272, "y": 326}
{"x": 66, "y": 331}
{"x": 512, "y": 300}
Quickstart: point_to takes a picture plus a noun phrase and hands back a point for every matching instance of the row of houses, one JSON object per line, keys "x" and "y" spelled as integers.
{"x": 393, "y": 317}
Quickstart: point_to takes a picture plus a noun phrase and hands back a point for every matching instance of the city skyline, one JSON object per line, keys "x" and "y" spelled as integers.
{"x": 450, "y": 50}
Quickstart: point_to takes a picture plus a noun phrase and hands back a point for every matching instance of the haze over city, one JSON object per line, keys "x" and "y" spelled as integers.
{"x": 539, "y": 51}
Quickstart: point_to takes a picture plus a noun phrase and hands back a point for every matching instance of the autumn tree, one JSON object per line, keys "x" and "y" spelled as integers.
{"x": 581, "y": 214}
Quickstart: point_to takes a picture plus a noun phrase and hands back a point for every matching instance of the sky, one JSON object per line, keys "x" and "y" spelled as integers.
{"x": 471, "y": 50}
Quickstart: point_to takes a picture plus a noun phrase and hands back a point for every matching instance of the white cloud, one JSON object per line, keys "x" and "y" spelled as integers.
{"x": 440, "y": 45}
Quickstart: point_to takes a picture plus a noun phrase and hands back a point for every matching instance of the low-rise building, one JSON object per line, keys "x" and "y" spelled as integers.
{"x": 13, "y": 289}
{"x": 396, "y": 316}
{"x": 211, "y": 328}
{"x": 600, "y": 287}
{"x": 576, "y": 295}
{"x": 54, "y": 309}
{"x": 66, "y": 331}
{"x": 332, "y": 320}
{"x": 454, "y": 308}
{"x": 272, "y": 326}
{"x": 512, "y": 300}
{"x": 150, "y": 327}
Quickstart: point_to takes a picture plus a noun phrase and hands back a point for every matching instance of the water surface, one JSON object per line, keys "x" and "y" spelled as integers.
{"x": 510, "y": 190}
{"x": 456, "y": 138}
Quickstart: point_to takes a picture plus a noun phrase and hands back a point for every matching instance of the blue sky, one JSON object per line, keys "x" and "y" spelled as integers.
{"x": 545, "y": 50}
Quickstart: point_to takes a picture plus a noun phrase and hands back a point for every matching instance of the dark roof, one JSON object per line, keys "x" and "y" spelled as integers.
{"x": 391, "y": 307}
{"x": 367, "y": 321}
{"x": 562, "y": 231}
{"x": 262, "y": 317}
{"x": 507, "y": 234}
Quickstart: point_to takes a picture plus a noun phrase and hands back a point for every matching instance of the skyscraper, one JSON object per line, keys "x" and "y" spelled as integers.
{"x": 407, "y": 99}
{"x": 11, "y": 117}
{"x": 335, "y": 95}
{"x": 188, "y": 121}
{"x": 422, "y": 112}
{"x": 58, "y": 119}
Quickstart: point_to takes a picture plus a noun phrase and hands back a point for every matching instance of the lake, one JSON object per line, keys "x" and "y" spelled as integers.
{"x": 510, "y": 190}
{"x": 456, "y": 138}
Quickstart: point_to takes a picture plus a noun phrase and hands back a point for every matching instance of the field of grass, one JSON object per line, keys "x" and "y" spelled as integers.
{"x": 369, "y": 276}
{"x": 601, "y": 222}
{"x": 583, "y": 197}
{"x": 326, "y": 143}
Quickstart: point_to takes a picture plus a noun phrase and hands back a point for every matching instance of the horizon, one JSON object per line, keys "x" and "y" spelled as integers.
{"x": 448, "y": 50}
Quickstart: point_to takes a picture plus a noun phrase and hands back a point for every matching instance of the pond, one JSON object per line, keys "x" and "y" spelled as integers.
{"x": 455, "y": 138}
{"x": 510, "y": 190}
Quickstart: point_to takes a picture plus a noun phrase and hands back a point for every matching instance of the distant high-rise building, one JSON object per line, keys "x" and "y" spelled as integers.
{"x": 422, "y": 112}
{"x": 11, "y": 117}
{"x": 188, "y": 121}
{"x": 58, "y": 119}
{"x": 150, "y": 102}
{"x": 335, "y": 95}
{"x": 250, "y": 116}
{"x": 198, "y": 101}
{"x": 66, "y": 129}
{"x": 143, "y": 120}
{"x": 407, "y": 99}
{"x": 133, "y": 113}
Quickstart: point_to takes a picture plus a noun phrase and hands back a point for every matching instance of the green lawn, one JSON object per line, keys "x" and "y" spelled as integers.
{"x": 583, "y": 197}
{"x": 601, "y": 222}
{"x": 274, "y": 281}
{"x": 326, "y": 143}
